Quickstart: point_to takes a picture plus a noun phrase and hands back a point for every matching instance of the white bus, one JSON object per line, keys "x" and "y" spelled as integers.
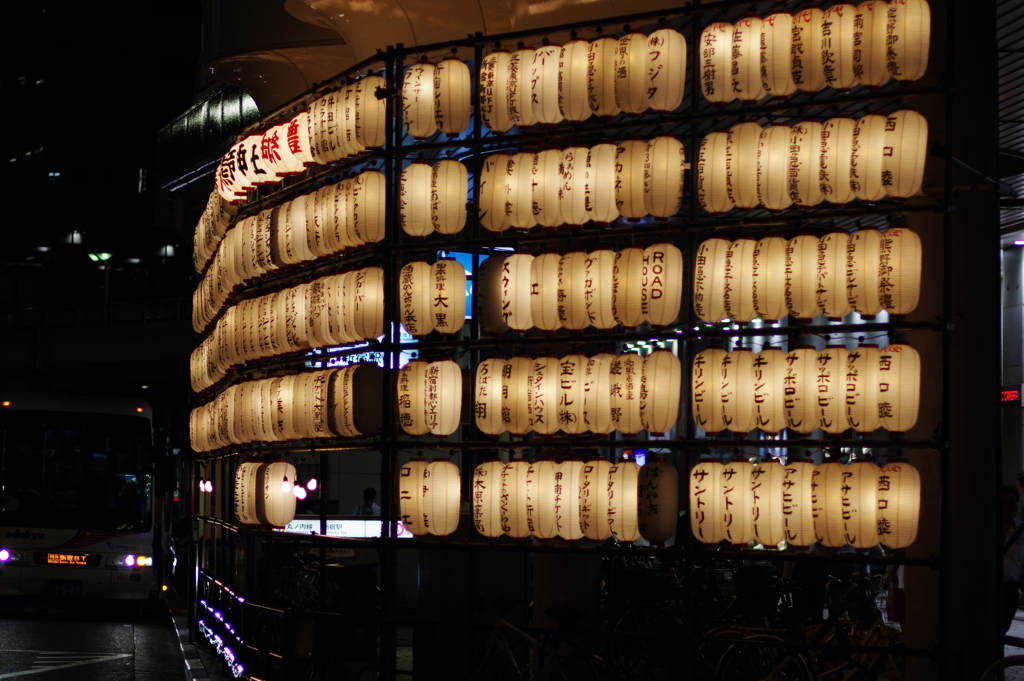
{"x": 76, "y": 496}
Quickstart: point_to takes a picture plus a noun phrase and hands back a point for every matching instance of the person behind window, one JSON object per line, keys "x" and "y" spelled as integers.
{"x": 368, "y": 507}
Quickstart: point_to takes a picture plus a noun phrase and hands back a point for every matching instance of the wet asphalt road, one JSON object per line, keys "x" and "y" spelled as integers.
{"x": 45, "y": 640}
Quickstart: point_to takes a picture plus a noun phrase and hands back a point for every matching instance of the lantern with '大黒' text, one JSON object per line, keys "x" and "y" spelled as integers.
{"x": 709, "y": 280}
{"x": 486, "y": 498}
{"x": 737, "y": 499}
{"x": 540, "y": 499}
{"x": 418, "y": 100}
{"x": 799, "y": 400}
{"x": 899, "y": 387}
{"x": 830, "y": 370}
{"x": 712, "y": 173}
{"x": 705, "y": 502}
{"x": 831, "y": 275}
{"x": 441, "y": 497}
{"x": 776, "y": 55}
{"x": 899, "y": 270}
{"x": 658, "y": 501}
{"x": 705, "y": 390}
{"x": 766, "y": 490}
{"x": 741, "y": 161}
{"x": 572, "y": 81}
{"x": 451, "y": 95}
{"x": 448, "y": 302}
{"x": 745, "y": 60}
{"x": 593, "y": 500}
{"x": 908, "y": 39}
{"x": 801, "y": 265}
{"x": 622, "y": 517}
{"x": 514, "y": 501}
{"x": 737, "y": 391}
{"x": 543, "y": 83}
{"x": 898, "y": 500}
{"x": 627, "y": 287}
{"x": 665, "y": 69}
{"x": 660, "y": 388}
{"x": 715, "y": 63}
{"x": 835, "y": 160}
{"x": 493, "y": 92}
{"x": 662, "y": 281}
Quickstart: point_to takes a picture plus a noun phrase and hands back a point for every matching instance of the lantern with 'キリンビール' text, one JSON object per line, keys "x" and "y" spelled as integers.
{"x": 705, "y": 390}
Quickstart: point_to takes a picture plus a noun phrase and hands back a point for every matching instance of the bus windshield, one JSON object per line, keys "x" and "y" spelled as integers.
{"x": 72, "y": 470}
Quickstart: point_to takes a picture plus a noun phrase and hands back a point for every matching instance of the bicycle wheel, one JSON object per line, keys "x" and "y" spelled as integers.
{"x": 760, "y": 661}
{"x": 636, "y": 655}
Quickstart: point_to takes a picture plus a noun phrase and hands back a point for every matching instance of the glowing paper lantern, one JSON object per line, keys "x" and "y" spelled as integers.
{"x": 487, "y": 396}
{"x": 766, "y": 490}
{"x": 908, "y": 39}
{"x": 370, "y": 112}
{"x": 741, "y": 163}
{"x": 861, "y": 388}
{"x": 442, "y": 495}
{"x": 572, "y": 370}
{"x": 515, "y": 291}
{"x": 601, "y": 77}
{"x": 543, "y": 81}
{"x": 705, "y": 390}
{"x": 801, "y": 270}
{"x": 626, "y": 374}
{"x": 275, "y": 507}
{"x": 631, "y": 73}
{"x": 493, "y": 92}
{"x": 520, "y": 109}
{"x": 631, "y": 156}
{"x": 544, "y": 292}
{"x": 808, "y": 70}
{"x": 411, "y": 411}
{"x": 666, "y": 69}
{"x": 448, "y": 192}
{"x": 805, "y": 164}
{"x": 572, "y": 81}
{"x": 769, "y": 369}
{"x": 836, "y": 154}
{"x": 737, "y": 502}
{"x": 869, "y": 44}
{"x": 546, "y": 183}
{"x": 827, "y": 500}
{"x": 737, "y": 391}
{"x": 899, "y": 387}
{"x": 572, "y": 201}
{"x": 370, "y": 196}
{"x": 746, "y": 60}
{"x": 418, "y": 100}
{"x": 662, "y": 280}
{"x": 514, "y": 502}
{"x": 899, "y": 270}
{"x": 899, "y": 504}
{"x": 716, "y": 63}
{"x": 414, "y": 200}
{"x": 410, "y": 496}
{"x": 597, "y": 397}
{"x": 801, "y": 391}
{"x": 349, "y": 100}
{"x": 246, "y": 489}
{"x": 663, "y": 176}
{"x": 567, "y": 508}
{"x": 860, "y": 503}
{"x": 705, "y": 502}
{"x": 489, "y": 277}
{"x": 712, "y": 173}
{"x": 448, "y": 299}
{"x": 368, "y": 303}
{"x": 738, "y": 294}
{"x": 661, "y": 383}
{"x": 544, "y": 395}
{"x": 597, "y": 289}
{"x": 593, "y": 500}
{"x": 416, "y": 290}
{"x": 572, "y": 307}
{"x": 709, "y": 280}
{"x": 540, "y": 496}
{"x": 905, "y": 146}
{"x": 773, "y": 167}
{"x": 491, "y": 202}
{"x": 776, "y": 55}
{"x": 830, "y": 367}
{"x": 658, "y": 501}
{"x": 622, "y": 517}
{"x": 487, "y": 498}
{"x": 798, "y": 503}
{"x": 516, "y": 396}
{"x": 519, "y": 191}
{"x": 299, "y": 141}
{"x": 599, "y": 184}
{"x": 831, "y": 276}
{"x": 451, "y": 96}
{"x": 837, "y": 45}
{"x": 868, "y": 158}
{"x": 627, "y": 287}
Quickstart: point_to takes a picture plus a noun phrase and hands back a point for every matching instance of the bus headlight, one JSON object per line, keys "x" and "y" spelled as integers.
{"x": 10, "y": 556}
{"x": 132, "y": 560}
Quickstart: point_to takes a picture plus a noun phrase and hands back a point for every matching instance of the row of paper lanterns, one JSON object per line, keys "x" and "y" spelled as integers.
{"x": 429, "y": 397}
{"x": 333, "y": 219}
{"x": 576, "y": 394}
{"x": 843, "y": 46}
{"x": 572, "y": 500}
{"x": 213, "y": 224}
{"x": 329, "y": 311}
{"x": 263, "y": 493}
{"x": 835, "y": 389}
{"x": 861, "y": 505}
{"x": 809, "y": 162}
{"x": 578, "y": 290}
{"x": 315, "y": 404}
{"x": 867, "y": 271}
{"x": 433, "y": 297}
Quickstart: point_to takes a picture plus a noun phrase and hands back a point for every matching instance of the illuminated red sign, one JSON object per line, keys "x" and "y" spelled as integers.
{"x": 1009, "y": 396}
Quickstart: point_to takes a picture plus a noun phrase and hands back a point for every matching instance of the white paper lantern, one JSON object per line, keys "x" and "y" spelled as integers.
{"x": 661, "y": 383}
{"x": 769, "y": 390}
{"x": 709, "y": 280}
{"x": 547, "y": 181}
{"x": 514, "y": 502}
{"x": 411, "y": 408}
{"x": 905, "y": 147}
{"x": 801, "y": 391}
{"x": 275, "y": 507}
{"x": 737, "y": 502}
{"x": 520, "y": 108}
{"x": 801, "y": 270}
{"x": 745, "y": 60}
{"x": 626, "y": 374}
{"x": 410, "y": 496}
{"x": 489, "y": 281}
{"x": 868, "y": 158}
{"x": 713, "y": 173}
{"x": 798, "y": 507}
{"x": 443, "y": 397}
{"x": 631, "y": 156}
{"x": 622, "y": 518}
{"x": 246, "y": 490}
{"x": 899, "y": 504}
{"x": 832, "y": 282}
{"x": 741, "y": 164}
{"x": 705, "y": 390}
{"x": 601, "y": 77}
{"x": 370, "y": 198}
{"x": 830, "y": 367}
{"x": 567, "y": 507}
{"x": 519, "y": 191}
{"x": 666, "y": 69}
{"x": 663, "y": 176}
{"x": 597, "y": 395}
{"x": 572, "y": 81}
{"x": 572, "y": 307}
{"x": 451, "y": 95}
{"x": 599, "y": 184}
{"x": 773, "y": 166}
{"x": 491, "y": 202}
{"x": 899, "y": 387}
{"x": 517, "y": 396}
{"x": 544, "y": 292}
{"x": 597, "y": 289}
{"x": 544, "y": 395}
{"x": 448, "y": 192}
{"x": 540, "y": 495}
{"x": 766, "y": 480}
{"x": 861, "y": 389}
{"x": 662, "y": 279}
{"x": 442, "y": 494}
{"x": 716, "y": 63}
{"x": 836, "y": 157}
{"x": 777, "y": 55}
{"x": 738, "y": 391}
{"x": 627, "y": 287}
{"x": 808, "y": 70}
{"x": 349, "y": 102}
{"x": 515, "y": 292}
{"x": 493, "y": 92}
{"x": 658, "y": 501}
{"x": 869, "y": 29}
{"x": 368, "y": 301}
{"x": 414, "y": 200}
{"x": 448, "y": 299}
{"x": 860, "y": 503}
{"x": 593, "y": 500}
{"x": 805, "y": 164}
{"x": 908, "y": 39}
{"x": 706, "y": 516}
{"x": 837, "y": 45}
{"x": 571, "y": 378}
{"x": 418, "y": 100}
{"x": 544, "y": 74}
{"x": 899, "y": 270}
{"x": 370, "y": 112}
{"x": 298, "y": 138}
{"x": 738, "y": 293}
{"x": 486, "y": 499}
{"x": 630, "y": 73}
{"x": 487, "y": 396}
{"x": 572, "y": 201}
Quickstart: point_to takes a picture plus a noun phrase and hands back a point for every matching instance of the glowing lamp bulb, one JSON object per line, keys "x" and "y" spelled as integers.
{"x": 312, "y": 484}
{"x": 129, "y": 561}
{"x": 202, "y": 485}
{"x": 285, "y": 485}
{"x": 5, "y": 555}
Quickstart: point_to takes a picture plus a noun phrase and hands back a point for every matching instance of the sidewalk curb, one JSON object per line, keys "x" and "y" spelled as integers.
{"x": 193, "y": 666}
